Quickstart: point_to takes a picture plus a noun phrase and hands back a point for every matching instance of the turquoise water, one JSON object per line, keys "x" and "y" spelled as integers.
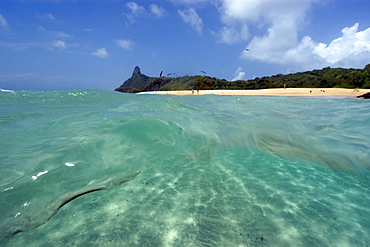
{"x": 101, "y": 168}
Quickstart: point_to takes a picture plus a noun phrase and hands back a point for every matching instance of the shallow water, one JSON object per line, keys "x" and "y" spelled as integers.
{"x": 104, "y": 168}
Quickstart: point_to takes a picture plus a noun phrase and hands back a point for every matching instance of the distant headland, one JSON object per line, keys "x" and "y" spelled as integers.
{"x": 320, "y": 78}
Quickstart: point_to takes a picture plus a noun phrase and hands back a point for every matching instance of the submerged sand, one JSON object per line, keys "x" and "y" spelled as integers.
{"x": 307, "y": 92}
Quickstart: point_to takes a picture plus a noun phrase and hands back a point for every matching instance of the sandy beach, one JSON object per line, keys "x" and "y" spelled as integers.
{"x": 303, "y": 92}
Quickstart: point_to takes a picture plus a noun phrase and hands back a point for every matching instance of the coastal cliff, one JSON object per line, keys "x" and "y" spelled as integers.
{"x": 136, "y": 83}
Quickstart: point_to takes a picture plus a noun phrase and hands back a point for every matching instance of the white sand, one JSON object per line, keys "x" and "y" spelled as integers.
{"x": 314, "y": 92}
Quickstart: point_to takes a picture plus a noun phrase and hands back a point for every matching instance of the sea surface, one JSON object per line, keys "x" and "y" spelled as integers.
{"x": 102, "y": 168}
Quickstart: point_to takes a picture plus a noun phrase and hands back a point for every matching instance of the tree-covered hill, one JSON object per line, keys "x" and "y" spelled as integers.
{"x": 323, "y": 78}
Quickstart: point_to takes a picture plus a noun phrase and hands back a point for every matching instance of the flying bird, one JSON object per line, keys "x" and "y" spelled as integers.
{"x": 160, "y": 75}
{"x": 247, "y": 49}
{"x": 203, "y": 72}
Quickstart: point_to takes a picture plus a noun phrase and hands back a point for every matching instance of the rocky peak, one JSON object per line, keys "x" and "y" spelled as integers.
{"x": 136, "y": 71}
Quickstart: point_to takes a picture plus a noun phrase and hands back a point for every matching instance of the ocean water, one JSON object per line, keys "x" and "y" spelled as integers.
{"x": 102, "y": 168}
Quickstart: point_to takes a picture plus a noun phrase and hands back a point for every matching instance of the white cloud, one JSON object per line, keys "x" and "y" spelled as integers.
{"x": 191, "y": 17}
{"x": 281, "y": 18}
{"x": 279, "y": 23}
{"x": 57, "y": 34}
{"x": 51, "y": 17}
{"x": 60, "y": 44}
{"x": 350, "y": 50}
{"x": 239, "y": 74}
{"x": 351, "y": 44}
{"x": 192, "y": 1}
{"x": 60, "y": 34}
{"x": 101, "y": 53}
{"x": 233, "y": 34}
{"x": 125, "y": 43}
{"x": 278, "y": 39}
{"x": 3, "y": 22}
{"x": 157, "y": 11}
{"x": 136, "y": 10}
{"x": 267, "y": 10}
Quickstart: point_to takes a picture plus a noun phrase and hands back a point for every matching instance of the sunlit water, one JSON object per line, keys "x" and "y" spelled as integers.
{"x": 101, "y": 168}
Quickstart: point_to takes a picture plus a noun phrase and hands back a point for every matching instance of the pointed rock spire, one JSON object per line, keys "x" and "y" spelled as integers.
{"x": 136, "y": 71}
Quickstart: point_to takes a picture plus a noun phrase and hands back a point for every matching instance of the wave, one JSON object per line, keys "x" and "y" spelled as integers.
{"x": 59, "y": 145}
{"x": 6, "y": 90}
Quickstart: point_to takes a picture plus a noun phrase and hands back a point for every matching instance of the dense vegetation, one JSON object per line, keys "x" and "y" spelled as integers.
{"x": 323, "y": 78}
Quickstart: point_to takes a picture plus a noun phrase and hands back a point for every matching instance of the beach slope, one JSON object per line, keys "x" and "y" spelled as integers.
{"x": 305, "y": 92}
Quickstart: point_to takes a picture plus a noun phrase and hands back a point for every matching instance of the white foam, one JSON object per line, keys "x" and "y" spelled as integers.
{"x": 39, "y": 174}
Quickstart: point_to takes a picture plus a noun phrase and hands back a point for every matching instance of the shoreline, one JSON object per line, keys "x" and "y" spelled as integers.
{"x": 294, "y": 92}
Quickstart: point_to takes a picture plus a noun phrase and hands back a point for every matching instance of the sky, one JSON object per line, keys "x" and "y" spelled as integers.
{"x": 83, "y": 44}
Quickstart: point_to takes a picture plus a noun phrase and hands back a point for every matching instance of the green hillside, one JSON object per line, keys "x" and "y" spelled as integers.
{"x": 323, "y": 78}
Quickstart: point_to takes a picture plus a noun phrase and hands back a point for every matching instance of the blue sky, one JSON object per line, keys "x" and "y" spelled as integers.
{"x": 82, "y": 44}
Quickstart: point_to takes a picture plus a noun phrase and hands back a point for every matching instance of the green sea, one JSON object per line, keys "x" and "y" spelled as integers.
{"x": 102, "y": 168}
